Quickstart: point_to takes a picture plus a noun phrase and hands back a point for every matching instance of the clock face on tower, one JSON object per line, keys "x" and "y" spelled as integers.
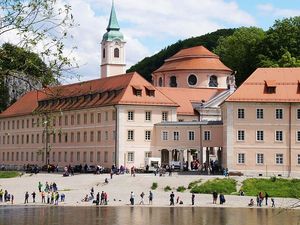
{"x": 117, "y": 43}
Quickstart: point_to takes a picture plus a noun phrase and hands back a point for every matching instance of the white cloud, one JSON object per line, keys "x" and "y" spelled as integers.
{"x": 142, "y": 22}
{"x": 277, "y": 12}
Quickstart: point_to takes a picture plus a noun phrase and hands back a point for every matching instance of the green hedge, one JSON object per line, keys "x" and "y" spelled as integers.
{"x": 9, "y": 174}
{"x": 274, "y": 187}
{"x": 225, "y": 186}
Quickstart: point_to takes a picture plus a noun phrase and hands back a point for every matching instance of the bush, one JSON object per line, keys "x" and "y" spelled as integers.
{"x": 181, "y": 189}
{"x": 194, "y": 183}
{"x": 274, "y": 187}
{"x": 167, "y": 188}
{"x": 9, "y": 174}
{"x": 154, "y": 186}
{"x": 225, "y": 186}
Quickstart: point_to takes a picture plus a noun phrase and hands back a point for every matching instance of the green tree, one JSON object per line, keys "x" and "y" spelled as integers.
{"x": 238, "y": 51}
{"x": 41, "y": 26}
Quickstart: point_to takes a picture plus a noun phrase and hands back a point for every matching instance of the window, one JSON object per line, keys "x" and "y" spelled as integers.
{"x": 59, "y": 138}
{"x": 54, "y": 138}
{"x": 260, "y": 158}
{"x": 91, "y": 136}
{"x": 103, "y": 53}
{"x": 78, "y": 119}
{"x": 116, "y": 53}
{"x": 98, "y": 156}
{"x": 106, "y": 157}
{"x": 78, "y": 156}
{"x": 298, "y": 114}
{"x": 85, "y": 136}
{"x": 84, "y": 156}
{"x": 259, "y": 135}
{"x": 259, "y": 113}
{"x": 72, "y": 156}
{"x": 165, "y": 135}
{"x": 148, "y": 154}
{"x": 53, "y": 156}
{"x": 130, "y": 115}
{"x": 99, "y": 118}
{"x": 32, "y": 139}
{"x": 213, "y": 81}
{"x": 148, "y": 115}
{"x": 279, "y": 158}
{"x": 241, "y": 113}
{"x": 175, "y": 135}
{"x": 279, "y": 114}
{"x": 59, "y": 121}
{"x": 241, "y": 135}
{"x": 207, "y": 135}
{"x": 130, "y": 157}
{"x": 66, "y": 120}
{"x": 72, "y": 119}
{"x": 298, "y": 136}
{"x": 298, "y": 159}
{"x": 164, "y": 116}
{"x": 130, "y": 135}
{"x": 85, "y": 118}
{"x": 192, "y": 80}
{"x": 173, "y": 81}
{"x": 147, "y": 135}
{"x": 78, "y": 136}
{"x": 106, "y": 116}
{"x": 191, "y": 135}
{"x": 160, "y": 81}
{"x": 72, "y": 137}
{"x": 113, "y": 115}
{"x": 279, "y": 135}
{"x": 241, "y": 158}
{"x": 106, "y": 135}
{"x": 99, "y": 136}
{"x": 65, "y": 156}
{"x": 66, "y": 138}
{"x": 91, "y": 156}
{"x": 54, "y": 121}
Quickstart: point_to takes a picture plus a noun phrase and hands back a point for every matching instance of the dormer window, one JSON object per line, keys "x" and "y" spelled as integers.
{"x": 160, "y": 81}
{"x": 270, "y": 86}
{"x": 213, "y": 81}
{"x": 150, "y": 91}
{"x": 116, "y": 53}
{"x": 137, "y": 90}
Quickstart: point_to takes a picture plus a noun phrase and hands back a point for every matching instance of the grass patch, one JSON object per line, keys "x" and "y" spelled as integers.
{"x": 154, "y": 186}
{"x": 225, "y": 186}
{"x": 181, "y": 189}
{"x": 194, "y": 183}
{"x": 9, "y": 174}
{"x": 66, "y": 189}
{"x": 274, "y": 187}
{"x": 167, "y": 188}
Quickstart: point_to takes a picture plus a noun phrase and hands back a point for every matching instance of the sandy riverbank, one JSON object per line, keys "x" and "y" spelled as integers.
{"x": 119, "y": 188}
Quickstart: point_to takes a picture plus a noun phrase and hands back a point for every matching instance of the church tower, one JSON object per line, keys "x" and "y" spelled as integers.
{"x": 112, "y": 48}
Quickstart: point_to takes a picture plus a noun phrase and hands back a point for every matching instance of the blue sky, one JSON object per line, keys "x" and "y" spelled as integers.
{"x": 150, "y": 25}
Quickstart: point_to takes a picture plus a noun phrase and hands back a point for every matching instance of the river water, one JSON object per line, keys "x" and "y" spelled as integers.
{"x": 145, "y": 216}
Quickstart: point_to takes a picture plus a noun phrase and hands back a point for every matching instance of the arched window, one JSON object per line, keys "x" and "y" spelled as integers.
{"x": 103, "y": 53}
{"x": 116, "y": 53}
{"x": 213, "y": 81}
{"x": 160, "y": 81}
{"x": 173, "y": 82}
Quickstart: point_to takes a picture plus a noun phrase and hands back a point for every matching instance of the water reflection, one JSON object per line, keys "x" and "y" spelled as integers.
{"x": 145, "y": 216}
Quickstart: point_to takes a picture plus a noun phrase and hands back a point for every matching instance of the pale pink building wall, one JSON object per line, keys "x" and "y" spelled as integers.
{"x": 88, "y": 149}
{"x": 269, "y": 146}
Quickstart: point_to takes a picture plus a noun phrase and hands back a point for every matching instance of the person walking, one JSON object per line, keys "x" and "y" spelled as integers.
{"x": 1, "y": 195}
{"x": 172, "y": 196}
{"x": 273, "y": 202}
{"x": 26, "y": 197}
{"x": 142, "y": 198}
{"x": 12, "y": 199}
{"x": 132, "y": 198}
{"x": 150, "y": 197}
{"x": 40, "y": 186}
{"x": 193, "y": 199}
{"x": 43, "y": 197}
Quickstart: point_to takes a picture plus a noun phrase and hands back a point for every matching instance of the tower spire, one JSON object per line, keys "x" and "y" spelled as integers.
{"x": 113, "y": 21}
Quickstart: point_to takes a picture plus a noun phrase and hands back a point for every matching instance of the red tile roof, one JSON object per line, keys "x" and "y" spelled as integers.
{"x": 253, "y": 89}
{"x": 195, "y": 58}
{"x": 184, "y": 97}
{"x": 94, "y": 93}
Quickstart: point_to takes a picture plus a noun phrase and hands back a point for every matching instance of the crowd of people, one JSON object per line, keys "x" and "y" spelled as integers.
{"x": 6, "y": 197}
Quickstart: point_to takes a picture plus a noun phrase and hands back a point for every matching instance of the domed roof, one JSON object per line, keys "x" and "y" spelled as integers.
{"x": 195, "y": 58}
